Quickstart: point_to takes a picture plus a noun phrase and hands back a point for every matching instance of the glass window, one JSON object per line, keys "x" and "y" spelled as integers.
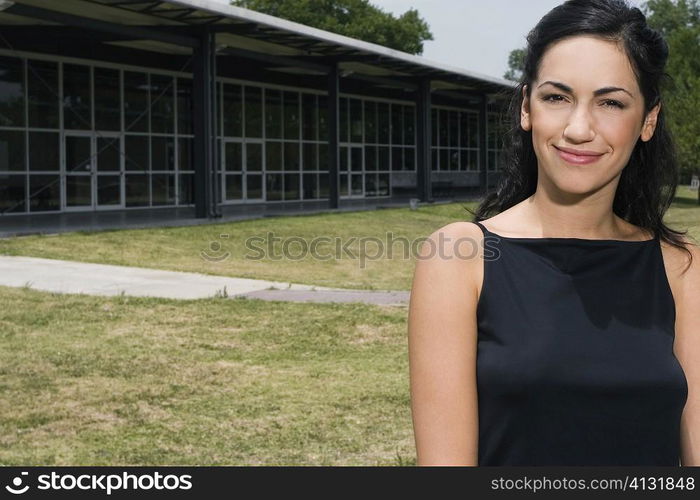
{"x": 310, "y": 186}
{"x": 435, "y": 159}
{"x": 253, "y": 157}
{"x": 136, "y": 190}
{"x": 253, "y": 112}
{"x": 234, "y": 157}
{"x": 163, "y": 153}
{"x": 444, "y": 159}
{"x": 396, "y": 158}
{"x": 464, "y": 130}
{"x": 370, "y": 157}
{"x": 185, "y": 104}
{"x": 77, "y": 109}
{"x": 434, "y": 126}
{"x": 323, "y": 157}
{"x": 44, "y": 151}
{"x": 383, "y": 158}
{"x": 254, "y": 187}
{"x": 323, "y": 186}
{"x": 444, "y": 131}
{"x": 45, "y": 193}
{"x": 162, "y": 104}
{"x": 108, "y": 154}
{"x": 356, "y": 126}
{"x": 234, "y": 187}
{"x": 370, "y": 184}
{"x": 383, "y": 121}
{"x": 11, "y": 92}
{"x": 274, "y": 186}
{"x": 310, "y": 160}
{"x": 12, "y": 193}
{"x": 135, "y": 102}
{"x": 396, "y": 124}
{"x": 12, "y": 151}
{"x": 291, "y": 115}
{"x": 273, "y": 114}
{"x": 322, "y": 118}
{"x": 454, "y": 159}
{"x": 291, "y": 156}
{"x": 473, "y": 136}
{"x": 309, "y": 117}
{"x": 343, "y": 118}
{"x": 185, "y": 158}
{"x": 356, "y": 184}
{"x": 383, "y": 185}
{"x": 370, "y": 122}
{"x": 291, "y": 186}
{"x": 43, "y": 95}
{"x": 409, "y": 123}
{"x": 137, "y": 152}
{"x": 409, "y": 159}
{"x": 109, "y": 190}
{"x": 163, "y": 189}
{"x": 454, "y": 128}
{"x": 233, "y": 110}
{"x": 78, "y": 190}
{"x": 273, "y": 158}
{"x": 343, "y": 159}
{"x": 185, "y": 189}
{"x": 107, "y": 99}
{"x": 356, "y": 159}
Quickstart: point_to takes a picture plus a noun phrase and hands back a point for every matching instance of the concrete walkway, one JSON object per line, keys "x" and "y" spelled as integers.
{"x": 99, "y": 279}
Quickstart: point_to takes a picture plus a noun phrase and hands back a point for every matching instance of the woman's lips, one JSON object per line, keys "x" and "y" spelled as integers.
{"x": 577, "y": 159}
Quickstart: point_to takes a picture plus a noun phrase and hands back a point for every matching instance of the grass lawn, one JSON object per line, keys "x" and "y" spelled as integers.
{"x": 142, "y": 381}
{"x": 135, "y": 381}
{"x": 181, "y": 248}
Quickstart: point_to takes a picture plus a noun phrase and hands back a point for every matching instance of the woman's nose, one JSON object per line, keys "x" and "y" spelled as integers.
{"x": 580, "y": 125}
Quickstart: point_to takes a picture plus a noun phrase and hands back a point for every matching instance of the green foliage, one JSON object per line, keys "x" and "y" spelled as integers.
{"x": 679, "y": 22}
{"x": 516, "y": 65}
{"x": 354, "y": 18}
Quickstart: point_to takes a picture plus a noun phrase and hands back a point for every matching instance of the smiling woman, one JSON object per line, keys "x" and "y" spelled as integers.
{"x": 571, "y": 339}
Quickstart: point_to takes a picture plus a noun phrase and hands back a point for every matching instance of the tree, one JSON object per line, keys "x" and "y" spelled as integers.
{"x": 354, "y": 18}
{"x": 679, "y": 22}
{"x": 516, "y": 65}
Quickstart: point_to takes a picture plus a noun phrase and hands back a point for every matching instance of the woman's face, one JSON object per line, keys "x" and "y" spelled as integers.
{"x": 585, "y": 99}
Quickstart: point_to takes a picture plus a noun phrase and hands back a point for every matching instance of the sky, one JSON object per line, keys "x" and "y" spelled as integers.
{"x": 476, "y": 35}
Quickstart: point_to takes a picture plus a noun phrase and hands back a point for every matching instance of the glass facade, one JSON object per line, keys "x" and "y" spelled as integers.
{"x": 455, "y": 139}
{"x": 90, "y": 136}
{"x": 87, "y": 137}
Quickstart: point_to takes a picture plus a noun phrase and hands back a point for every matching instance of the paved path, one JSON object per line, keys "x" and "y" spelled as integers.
{"x": 101, "y": 279}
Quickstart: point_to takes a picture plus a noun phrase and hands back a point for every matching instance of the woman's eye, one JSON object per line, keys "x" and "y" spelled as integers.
{"x": 613, "y": 103}
{"x": 553, "y": 98}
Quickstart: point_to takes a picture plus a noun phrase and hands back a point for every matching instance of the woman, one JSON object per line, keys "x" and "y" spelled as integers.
{"x": 572, "y": 337}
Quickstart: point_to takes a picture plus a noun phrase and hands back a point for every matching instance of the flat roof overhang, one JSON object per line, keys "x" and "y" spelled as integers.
{"x": 175, "y": 26}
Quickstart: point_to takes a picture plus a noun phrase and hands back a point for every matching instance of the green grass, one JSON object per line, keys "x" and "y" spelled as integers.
{"x": 140, "y": 381}
{"x": 186, "y": 248}
{"x": 180, "y": 248}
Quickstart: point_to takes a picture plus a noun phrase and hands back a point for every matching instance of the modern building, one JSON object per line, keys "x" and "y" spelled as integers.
{"x": 122, "y": 105}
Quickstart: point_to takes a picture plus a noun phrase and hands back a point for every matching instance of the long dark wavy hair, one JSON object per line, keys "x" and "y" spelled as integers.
{"x": 649, "y": 181}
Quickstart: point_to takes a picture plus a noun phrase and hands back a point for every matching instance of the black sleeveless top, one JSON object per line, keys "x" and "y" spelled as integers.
{"x": 575, "y": 362}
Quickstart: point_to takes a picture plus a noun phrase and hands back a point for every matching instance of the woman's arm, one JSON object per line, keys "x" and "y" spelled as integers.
{"x": 442, "y": 345}
{"x": 687, "y": 350}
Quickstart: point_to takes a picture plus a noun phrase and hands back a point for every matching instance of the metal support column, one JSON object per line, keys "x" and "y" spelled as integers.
{"x": 424, "y": 146}
{"x": 483, "y": 145}
{"x": 204, "y": 166}
{"x": 333, "y": 152}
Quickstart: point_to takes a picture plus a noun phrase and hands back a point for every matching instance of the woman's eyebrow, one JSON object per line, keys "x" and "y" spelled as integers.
{"x": 601, "y": 91}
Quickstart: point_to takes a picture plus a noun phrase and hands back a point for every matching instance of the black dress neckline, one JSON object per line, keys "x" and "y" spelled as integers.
{"x": 563, "y": 239}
